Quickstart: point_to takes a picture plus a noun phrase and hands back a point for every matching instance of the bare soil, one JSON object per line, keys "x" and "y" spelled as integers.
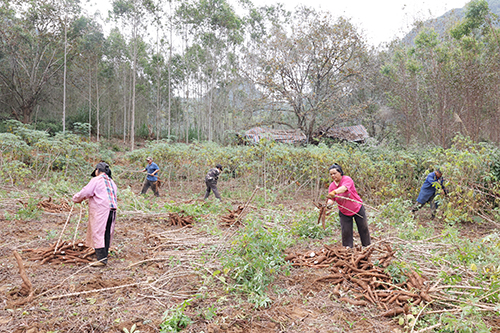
{"x": 153, "y": 267}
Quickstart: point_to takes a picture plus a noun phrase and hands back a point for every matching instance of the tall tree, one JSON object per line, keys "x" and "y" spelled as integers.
{"x": 308, "y": 67}
{"x": 133, "y": 12}
{"x": 32, "y": 52}
{"x": 216, "y": 27}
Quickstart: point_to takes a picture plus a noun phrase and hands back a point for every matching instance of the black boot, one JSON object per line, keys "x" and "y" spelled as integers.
{"x": 102, "y": 256}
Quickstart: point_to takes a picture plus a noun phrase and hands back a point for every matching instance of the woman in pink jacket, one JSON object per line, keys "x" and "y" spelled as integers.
{"x": 343, "y": 192}
{"x": 101, "y": 193}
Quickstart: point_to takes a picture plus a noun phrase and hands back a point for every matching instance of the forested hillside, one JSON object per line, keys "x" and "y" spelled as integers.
{"x": 204, "y": 70}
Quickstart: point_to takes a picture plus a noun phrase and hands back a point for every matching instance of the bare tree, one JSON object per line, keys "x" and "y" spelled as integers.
{"x": 309, "y": 67}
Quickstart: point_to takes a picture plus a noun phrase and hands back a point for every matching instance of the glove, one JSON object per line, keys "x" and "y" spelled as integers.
{"x": 331, "y": 195}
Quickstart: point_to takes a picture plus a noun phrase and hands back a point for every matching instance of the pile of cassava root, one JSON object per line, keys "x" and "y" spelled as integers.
{"x": 52, "y": 207}
{"x": 360, "y": 277}
{"x": 66, "y": 252}
{"x": 233, "y": 217}
{"x": 180, "y": 220}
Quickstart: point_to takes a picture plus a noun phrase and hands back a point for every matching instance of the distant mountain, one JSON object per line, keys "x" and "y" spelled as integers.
{"x": 446, "y": 21}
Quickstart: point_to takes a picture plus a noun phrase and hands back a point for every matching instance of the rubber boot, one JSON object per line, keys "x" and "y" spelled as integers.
{"x": 102, "y": 257}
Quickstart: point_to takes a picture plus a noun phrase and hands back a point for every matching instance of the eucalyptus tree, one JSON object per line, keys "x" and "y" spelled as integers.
{"x": 308, "y": 66}
{"x": 134, "y": 15}
{"x": 32, "y": 51}
{"x": 85, "y": 67}
{"x": 117, "y": 54}
{"x": 215, "y": 26}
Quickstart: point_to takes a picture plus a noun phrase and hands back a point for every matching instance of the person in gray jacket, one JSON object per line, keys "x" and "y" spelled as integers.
{"x": 211, "y": 181}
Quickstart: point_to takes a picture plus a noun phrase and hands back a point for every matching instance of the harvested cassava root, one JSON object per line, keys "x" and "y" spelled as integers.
{"x": 233, "y": 217}
{"x": 180, "y": 220}
{"x": 26, "y": 287}
{"x": 367, "y": 283}
{"x": 52, "y": 207}
{"x": 66, "y": 253}
{"x": 323, "y": 212}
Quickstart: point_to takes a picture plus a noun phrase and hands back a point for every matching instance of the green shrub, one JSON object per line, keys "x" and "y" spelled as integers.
{"x": 256, "y": 256}
{"x": 175, "y": 320}
{"x": 305, "y": 225}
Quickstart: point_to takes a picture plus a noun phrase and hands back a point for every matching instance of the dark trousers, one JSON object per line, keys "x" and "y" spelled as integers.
{"x": 431, "y": 202}
{"x": 346, "y": 225}
{"x": 153, "y": 185}
{"x": 211, "y": 186}
{"x": 102, "y": 253}
{"x": 109, "y": 224}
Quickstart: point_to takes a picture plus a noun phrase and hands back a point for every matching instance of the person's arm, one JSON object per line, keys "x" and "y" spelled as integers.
{"x": 339, "y": 190}
{"x": 443, "y": 187}
{"x": 86, "y": 192}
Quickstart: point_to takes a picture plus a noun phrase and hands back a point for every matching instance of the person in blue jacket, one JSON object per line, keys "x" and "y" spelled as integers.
{"x": 428, "y": 191}
{"x": 152, "y": 170}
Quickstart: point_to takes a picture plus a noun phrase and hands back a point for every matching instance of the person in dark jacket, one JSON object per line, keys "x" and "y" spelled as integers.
{"x": 211, "y": 181}
{"x": 428, "y": 191}
{"x": 152, "y": 170}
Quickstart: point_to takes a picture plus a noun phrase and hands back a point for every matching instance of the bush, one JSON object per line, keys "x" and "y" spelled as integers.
{"x": 256, "y": 257}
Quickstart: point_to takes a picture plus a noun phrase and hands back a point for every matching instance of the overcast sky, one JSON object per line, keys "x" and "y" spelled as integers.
{"x": 380, "y": 21}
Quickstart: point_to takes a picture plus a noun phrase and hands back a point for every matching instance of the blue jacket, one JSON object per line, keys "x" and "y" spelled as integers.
{"x": 150, "y": 168}
{"x": 428, "y": 189}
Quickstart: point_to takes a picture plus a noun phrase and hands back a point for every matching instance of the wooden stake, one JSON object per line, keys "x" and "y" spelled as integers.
{"x": 65, "y": 224}
{"x": 77, "y": 225}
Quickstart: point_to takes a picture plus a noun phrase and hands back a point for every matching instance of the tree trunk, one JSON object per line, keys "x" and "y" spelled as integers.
{"x": 98, "y": 123}
{"x": 132, "y": 111}
{"x": 124, "y": 105}
{"x": 64, "y": 76}
{"x": 90, "y": 103}
{"x": 158, "y": 85}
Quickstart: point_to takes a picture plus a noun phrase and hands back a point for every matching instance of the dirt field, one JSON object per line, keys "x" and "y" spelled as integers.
{"x": 154, "y": 267}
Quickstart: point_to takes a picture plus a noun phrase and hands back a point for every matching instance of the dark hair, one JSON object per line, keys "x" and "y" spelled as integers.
{"x": 336, "y": 167}
{"x": 218, "y": 166}
{"x": 102, "y": 167}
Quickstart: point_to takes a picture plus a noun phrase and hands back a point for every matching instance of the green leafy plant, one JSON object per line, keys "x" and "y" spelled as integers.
{"x": 255, "y": 258}
{"x": 398, "y": 271}
{"x": 15, "y": 172}
{"x": 307, "y": 227}
{"x": 174, "y": 320}
{"x": 28, "y": 211}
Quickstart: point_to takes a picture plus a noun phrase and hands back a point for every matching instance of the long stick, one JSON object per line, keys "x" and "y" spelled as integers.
{"x": 69, "y": 277}
{"x": 246, "y": 205}
{"x": 347, "y": 209}
{"x": 228, "y": 236}
{"x": 97, "y": 290}
{"x": 77, "y": 225}
{"x": 65, "y": 224}
{"x": 362, "y": 203}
